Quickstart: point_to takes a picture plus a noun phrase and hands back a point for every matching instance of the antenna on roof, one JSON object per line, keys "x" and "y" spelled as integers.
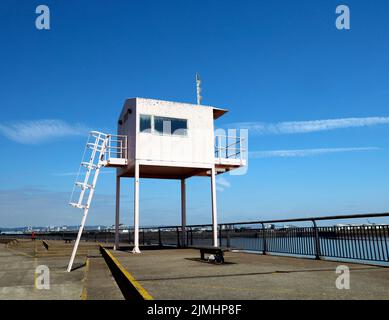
{"x": 198, "y": 87}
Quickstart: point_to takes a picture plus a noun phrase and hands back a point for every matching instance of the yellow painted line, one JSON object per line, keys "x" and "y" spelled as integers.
{"x": 145, "y": 295}
{"x": 84, "y": 294}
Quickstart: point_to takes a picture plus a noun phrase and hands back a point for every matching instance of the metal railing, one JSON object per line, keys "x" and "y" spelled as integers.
{"x": 116, "y": 147}
{"x": 229, "y": 147}
{"x": 346, "y": 242}
{"x": 350, "y": 242}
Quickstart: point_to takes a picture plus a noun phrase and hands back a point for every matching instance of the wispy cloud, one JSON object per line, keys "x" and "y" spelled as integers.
{"x": 81, "y": 174}
{"x": 38, "y": 131}
{"x": 294, "y": 127}
{"x": 222, "y": 183}
{"x": 305, "y": 152}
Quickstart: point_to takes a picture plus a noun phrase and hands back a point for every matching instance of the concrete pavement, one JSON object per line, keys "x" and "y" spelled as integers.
{"x": 177, "y": 274}
{"x": 18, "y": 262}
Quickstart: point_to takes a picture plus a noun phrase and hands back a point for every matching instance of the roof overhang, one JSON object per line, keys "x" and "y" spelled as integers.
{"x": 217, "y": 113}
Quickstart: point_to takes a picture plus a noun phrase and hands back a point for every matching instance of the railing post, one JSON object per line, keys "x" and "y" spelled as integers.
{"x": 159, "y": 237}
{"x": 178, "y": 237}
{"x": 227, "y": 146}
{"x": 220, "y": 235}
{"x": 264, "y": 239}
{"x": 219, "y": 142}
{"x": 191, "y": 236}
{"x": 228, "y": 238}
{"x": 109, "y": 146}
{"x": 143, "y": 236}
{"x": 317, "y": 241}
{"x": 240, "y": 147}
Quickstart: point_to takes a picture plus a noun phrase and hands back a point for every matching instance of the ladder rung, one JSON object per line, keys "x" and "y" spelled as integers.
{"x": 99, "y": 138}
{"x": 88, "y": 165}
{"x": 76, "y": 205}
{"x": 92, "y": 145}
{"x": 98, "y": 135}
{"x": 84, "y": 185}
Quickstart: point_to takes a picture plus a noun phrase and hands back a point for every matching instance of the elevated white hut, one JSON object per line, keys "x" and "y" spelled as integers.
{"x": 170, "y": 140}
{"x": 161, "y": 140}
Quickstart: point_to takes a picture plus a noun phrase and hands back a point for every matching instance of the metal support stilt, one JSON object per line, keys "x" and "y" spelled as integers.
{"x": 183, "y": 212}
{"x": 117, "y": 217}
{"x": 136, "y": 209}
{"x": 214, "y": 207}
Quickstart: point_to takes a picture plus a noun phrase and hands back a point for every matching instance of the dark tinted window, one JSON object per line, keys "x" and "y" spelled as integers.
{"x": 145, "y": 123}
{"x": 164, "y": 125}
{"x": 179, "y": 127}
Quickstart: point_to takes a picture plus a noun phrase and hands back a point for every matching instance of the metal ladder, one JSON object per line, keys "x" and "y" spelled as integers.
{"x": 95, "y": 150}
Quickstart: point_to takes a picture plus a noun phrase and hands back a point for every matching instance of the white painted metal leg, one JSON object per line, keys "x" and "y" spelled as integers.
{"x": 117, "y": 217}
{"x": 214, "y": 208}
{"x": 136, "y": 209}
{"x": 183, "y": 212}
{"x": 77, "y": 240}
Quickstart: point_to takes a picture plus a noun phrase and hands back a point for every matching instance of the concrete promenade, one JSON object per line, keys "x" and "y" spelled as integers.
{"x": 90, "y": 279}
{"x": 177, "y": 274}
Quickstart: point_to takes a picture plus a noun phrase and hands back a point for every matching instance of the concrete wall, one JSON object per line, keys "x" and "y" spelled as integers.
{"x": 128, "y": 128}
{"x": 196, "y": 147}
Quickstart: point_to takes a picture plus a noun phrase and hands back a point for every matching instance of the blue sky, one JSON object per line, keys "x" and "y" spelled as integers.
{"x": 315, "y": 100}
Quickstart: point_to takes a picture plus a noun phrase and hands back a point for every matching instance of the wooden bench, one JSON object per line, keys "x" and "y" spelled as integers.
{"x": 217, "y": 252}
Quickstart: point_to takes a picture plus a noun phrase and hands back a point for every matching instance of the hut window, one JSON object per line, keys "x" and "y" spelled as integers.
{"x": 145, "y": 123}
{"x": 170, "y": 126}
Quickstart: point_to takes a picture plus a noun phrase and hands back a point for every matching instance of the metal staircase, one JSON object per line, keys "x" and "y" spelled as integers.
{"x": 101, "y": 150}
